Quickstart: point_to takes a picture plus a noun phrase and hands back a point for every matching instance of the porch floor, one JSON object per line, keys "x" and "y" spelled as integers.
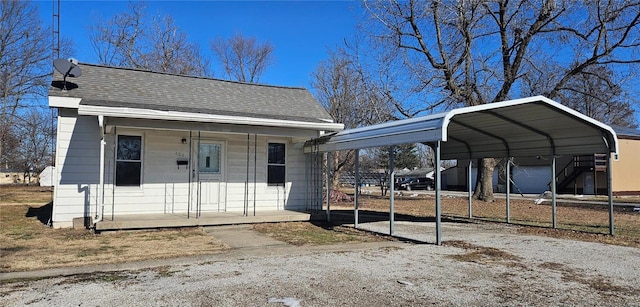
{"x": 149, "y": 221}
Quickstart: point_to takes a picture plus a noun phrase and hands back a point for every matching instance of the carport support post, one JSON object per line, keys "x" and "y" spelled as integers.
{"x": 508, "y": 189}
{"x": 438, "y": 186}
{"x": 610, "y": 194}
{"x": 356, "y": 188}
{"x": 469, "y": 186}
{"x": 392, "y": 156}
{"x": 553, "y": 189}
{"x": 328, "y": 186}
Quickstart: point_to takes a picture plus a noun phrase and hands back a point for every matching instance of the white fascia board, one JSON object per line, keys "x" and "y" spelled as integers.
{"x": 205, "y": 118}
{"x": 496, "y": 105}
{"x": 64, "y": 102}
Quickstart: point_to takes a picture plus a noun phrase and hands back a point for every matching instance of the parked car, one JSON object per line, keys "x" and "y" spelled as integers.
{"x": 420, "y": 183}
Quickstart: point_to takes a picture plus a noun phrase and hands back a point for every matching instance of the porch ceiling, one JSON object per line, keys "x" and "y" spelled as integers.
{"x": 522, "y": 127}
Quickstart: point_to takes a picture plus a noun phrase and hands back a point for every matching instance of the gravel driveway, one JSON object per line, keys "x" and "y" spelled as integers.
{"x": 480, "y": 264}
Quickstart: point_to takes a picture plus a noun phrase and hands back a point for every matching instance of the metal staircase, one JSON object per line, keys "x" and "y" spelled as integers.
{"x": 578, "y": 165}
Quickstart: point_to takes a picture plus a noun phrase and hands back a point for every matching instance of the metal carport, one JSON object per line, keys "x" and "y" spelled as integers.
{"x": 534, "y": 126}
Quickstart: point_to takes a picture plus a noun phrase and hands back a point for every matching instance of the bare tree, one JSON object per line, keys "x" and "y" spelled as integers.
{"x": 244, "y": 59}
{"x": 341, "y": 90}
{"x": 25, "y": 64}
{"x": 131, "y": 39}
{"x": 476, "y": 52}
{"x": 594, "y": 93}
{"x": 34, "y": 152}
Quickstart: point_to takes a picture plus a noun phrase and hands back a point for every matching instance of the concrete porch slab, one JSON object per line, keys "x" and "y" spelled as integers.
{"x": 150, "y": 221}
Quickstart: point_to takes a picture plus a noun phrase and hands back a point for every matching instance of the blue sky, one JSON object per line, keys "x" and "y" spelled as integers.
{"x": 300, "y": 31}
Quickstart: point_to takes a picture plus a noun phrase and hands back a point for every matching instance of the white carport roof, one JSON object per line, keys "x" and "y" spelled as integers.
{"x": 523, "y": 127}
{"x": 534, "y": 126}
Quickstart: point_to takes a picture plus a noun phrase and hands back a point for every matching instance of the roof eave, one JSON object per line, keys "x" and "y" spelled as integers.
{"x": 203, "y": 118}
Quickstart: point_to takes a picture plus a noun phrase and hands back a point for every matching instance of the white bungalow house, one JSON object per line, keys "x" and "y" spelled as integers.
{"x": 133, "y": 142}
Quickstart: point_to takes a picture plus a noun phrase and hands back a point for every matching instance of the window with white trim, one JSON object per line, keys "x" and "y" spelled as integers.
{"x": 276, "y": 164}
{"x": 129, "y": 160}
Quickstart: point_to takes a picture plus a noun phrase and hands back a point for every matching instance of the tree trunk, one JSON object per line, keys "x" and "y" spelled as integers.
{"x": 484, "y": 182}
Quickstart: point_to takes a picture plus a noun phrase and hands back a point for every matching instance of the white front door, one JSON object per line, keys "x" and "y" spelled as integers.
{"x": 208, "y": 186}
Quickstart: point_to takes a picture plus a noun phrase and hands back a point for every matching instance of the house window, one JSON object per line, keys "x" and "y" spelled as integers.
{"x": 129, "y": 160}
{"x": 276, "y": 165}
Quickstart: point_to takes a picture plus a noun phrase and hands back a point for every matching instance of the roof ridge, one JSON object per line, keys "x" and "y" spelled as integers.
{"x": 190, "y": 76}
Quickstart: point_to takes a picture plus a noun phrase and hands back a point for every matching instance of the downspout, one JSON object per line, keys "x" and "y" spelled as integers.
{"x": 100, "y": 202}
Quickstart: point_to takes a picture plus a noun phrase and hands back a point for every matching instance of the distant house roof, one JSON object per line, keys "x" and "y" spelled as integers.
{"x": 626, "y": 132}
{"x": 112, "y": 87}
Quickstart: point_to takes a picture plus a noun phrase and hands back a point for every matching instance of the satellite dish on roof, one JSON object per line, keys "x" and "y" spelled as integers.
{"x": 68, "y": 68}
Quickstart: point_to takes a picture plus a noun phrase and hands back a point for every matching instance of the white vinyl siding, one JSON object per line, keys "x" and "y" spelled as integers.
{"x": 165, "y": 186}
{"x": 77, "y": 167}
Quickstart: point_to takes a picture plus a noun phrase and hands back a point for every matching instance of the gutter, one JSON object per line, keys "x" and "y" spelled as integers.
{"x": 204, "y": 118}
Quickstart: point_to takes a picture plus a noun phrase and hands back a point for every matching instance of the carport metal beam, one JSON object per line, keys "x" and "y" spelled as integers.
{"x": 553, "y": 190}
{"x": 356, "y": 188}
{"x": 391, "y": 188}
{"x": 469, "y": 174}
{"x": 553, "y": 149}
{"x": 610, "y": 194}
{"x": 469, "y": 179}
{"x": 438, "y": 201}
{"x": 508, "y": 189}
{"x": 328, "y": 186}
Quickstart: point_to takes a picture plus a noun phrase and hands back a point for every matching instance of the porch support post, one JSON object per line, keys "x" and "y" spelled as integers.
{"x": 190, "y": 176}
{"x": 610, "y": 194}
{"x": 553, "y": 189}
{"x": 392, "y": 156}
{"x": 438, "y": 204}
{"x": 356, "y": 192}
{"x": 328, "y": 186}
{"x": 255, "y": 171}
{"x": 246, "y": 182}
{"x": 469, "y": 181}
{"x": 508, "y": 189}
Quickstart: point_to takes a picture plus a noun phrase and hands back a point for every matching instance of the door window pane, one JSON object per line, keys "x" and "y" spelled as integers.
{"x": 209, "y": 158}
{"x": 129, "y": 147}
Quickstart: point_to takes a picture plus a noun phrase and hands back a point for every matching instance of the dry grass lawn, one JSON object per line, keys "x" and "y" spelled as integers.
{"x": 317, "y": 233}
{"x": 27, "y": 244}
{"x": 575, "y": 221}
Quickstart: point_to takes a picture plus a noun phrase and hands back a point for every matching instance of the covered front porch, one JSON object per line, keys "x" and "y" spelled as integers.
{"x": 159, "y": 220}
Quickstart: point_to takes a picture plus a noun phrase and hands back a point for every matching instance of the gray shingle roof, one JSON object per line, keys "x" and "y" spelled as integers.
{"x": 124, "y": 87}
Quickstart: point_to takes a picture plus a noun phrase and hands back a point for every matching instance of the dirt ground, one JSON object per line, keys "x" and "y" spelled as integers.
{"x": 574, "y": 220}
{"x": 26, "y": 243}
{"x": 480, "y": 264}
